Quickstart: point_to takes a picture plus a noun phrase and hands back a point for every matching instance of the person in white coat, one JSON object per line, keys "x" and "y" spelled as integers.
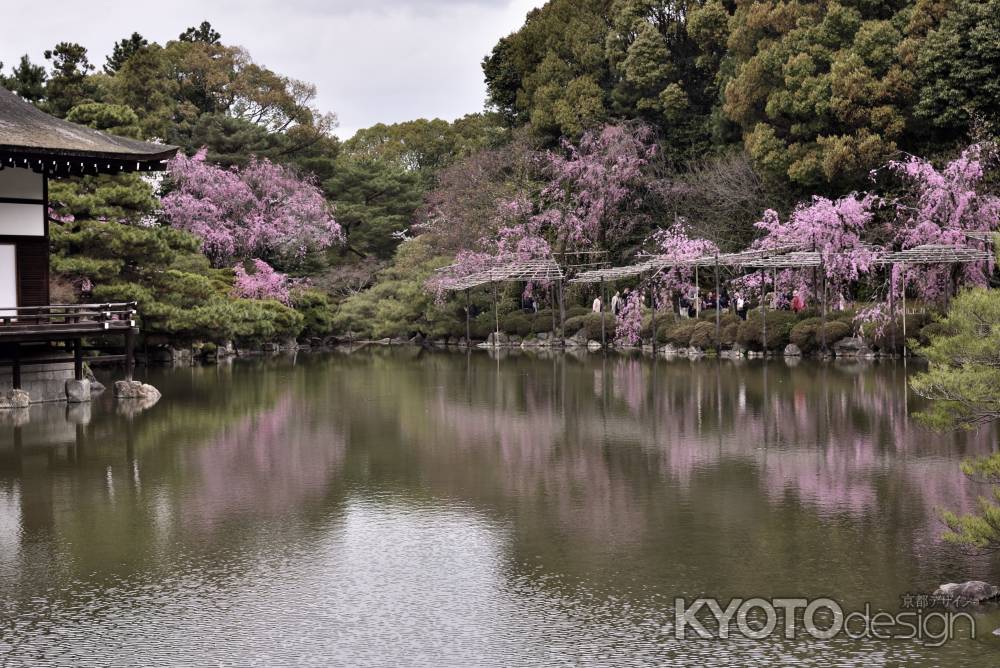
{"x": 616, "y": 303}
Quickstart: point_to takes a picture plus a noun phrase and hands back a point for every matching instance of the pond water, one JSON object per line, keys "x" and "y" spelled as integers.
{"x": 404, "y": 507}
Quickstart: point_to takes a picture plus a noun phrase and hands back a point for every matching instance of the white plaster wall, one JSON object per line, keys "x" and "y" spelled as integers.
{"x": 22, "y": 219}
{"x": 20, "y": 183}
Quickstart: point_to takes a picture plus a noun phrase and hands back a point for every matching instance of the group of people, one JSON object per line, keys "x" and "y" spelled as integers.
{"x": 691, "y": 304}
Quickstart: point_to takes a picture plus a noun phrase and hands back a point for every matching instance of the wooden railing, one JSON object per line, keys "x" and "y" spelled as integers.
{"x": 70, "y": 323}
{"x": 69, "y": 317}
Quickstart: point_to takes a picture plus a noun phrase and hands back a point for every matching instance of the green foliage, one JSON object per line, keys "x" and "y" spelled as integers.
{"x": 964, "y": 374}
{"x": 779, "y": 330}
{"x": 809, "y": 334}
{"x": 69, "y": 83}
{"x": 678, "y": 333}
{"x": 819, "y": 89}
{"x": 589, "y": 325}
{"x": 114, "y": 118}
{"x": 575, "y": 64}
{"x": 123, "y": 50}
{"x": 180, "y": 296}
{"x": 375, "y": 203}
{"x": 316, "y": 311}
{"x": 703, "y": 335}
{"x": 957, "y": 66}
{"x": 26, "y": 79}
{"x": 399, "y": 304}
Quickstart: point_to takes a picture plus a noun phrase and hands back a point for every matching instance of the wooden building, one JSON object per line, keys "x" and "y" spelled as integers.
{"x": 35, "y": 148}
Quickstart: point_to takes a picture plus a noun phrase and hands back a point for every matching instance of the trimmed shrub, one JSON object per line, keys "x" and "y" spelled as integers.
{"x": 932, "y": 330}
{"x": 836, "y": 330}
{"x": 894, "y": 332}
{"x": 517, "y": 323}
{"x": 730, "y": 333}
{"x": 679, "y": 334}
{"x": 703, "y": 335}
{"x": 806, "y": 334}
{"x": 779, "y": 329}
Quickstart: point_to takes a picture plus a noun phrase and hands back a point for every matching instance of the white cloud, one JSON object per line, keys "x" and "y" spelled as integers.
{"x": 373, "y": 61}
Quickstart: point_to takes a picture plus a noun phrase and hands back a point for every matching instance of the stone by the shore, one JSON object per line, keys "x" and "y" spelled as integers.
{"x": 792, "y": 350}
{"x": 77, "y": 391}
{"x": 14, "y": 399}
{"x": 134, "y": 389}
{"x": 973, "y": 591}
{"x": 852, "y": 346}
{"x": 497, "y": 339}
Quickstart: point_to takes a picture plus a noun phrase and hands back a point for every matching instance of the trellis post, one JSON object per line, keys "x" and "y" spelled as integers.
{"x": 822, "y": 327}
{"x": 468, "y": 318}
{"x": 892, "y": 305}
{"x": 496, "y": 316}
{"x": 763, "y": 309}
{"x": 562, "y": 310}
{"x": 603, "y": 305}
{"x": 697, "y": 294}
{"x": 903, "y": 281}
{"x": 552, "y": 298}
{"x": 718, "y": 309}
{"x": 652, "y": 305}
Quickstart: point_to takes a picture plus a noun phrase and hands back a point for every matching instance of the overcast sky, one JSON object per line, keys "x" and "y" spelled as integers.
{"x": 372, "y": 60}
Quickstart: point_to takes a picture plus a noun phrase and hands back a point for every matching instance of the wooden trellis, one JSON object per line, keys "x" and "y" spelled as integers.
{"x": 786, "y": 257}
{"x": 540, "y": 270}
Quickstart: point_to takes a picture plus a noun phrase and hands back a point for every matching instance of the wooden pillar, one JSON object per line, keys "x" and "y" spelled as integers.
{"x": 468, "y": 318}
{"x": 552, "y": 299}
{"x": 892, "y": 305}
{"x": 652, "y": 305}
{"x": 697, "y": 294}
{"x": 77, "y": 360}
{"x": 15, "y": 371}
{"x": 496, "y": 316}
{"x": 903, "y": 281}
{"x": 130, "y": 352}
{"x": 774, "y": 288}
{"x": 718, "y": 309}
{"x": 763, "y": 309}
{"x": 604, "y": 342}
{"x": 562, "y": 310}
{"x": 823, "y": 320}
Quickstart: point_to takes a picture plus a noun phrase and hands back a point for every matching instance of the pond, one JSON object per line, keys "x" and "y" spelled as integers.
{"x": 408, "y": 507}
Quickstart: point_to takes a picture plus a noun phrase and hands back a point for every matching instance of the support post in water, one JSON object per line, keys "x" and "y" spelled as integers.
{"x": 15, "y": 371}
{"x": 130, "y": 352}
{"x": 562, "y": 310}
{"x": 468, "y": 318}
{"x": 822, "y": 328}
{"x": 77, "y": 360}
{"x": 718, "y": 309}
{"x": 902, "y": 269}
{"x": 697, "y": 294}
{"x": 496, "y": 316}
{"x": 892, "y": 305}
{"x": 652, "y": 306}
{"x": 763, "y": 309}
{"x": 603, "y": 305}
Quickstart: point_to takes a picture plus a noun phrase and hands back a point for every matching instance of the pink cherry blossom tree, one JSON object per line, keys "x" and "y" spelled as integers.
{"x": 593, "y": 193}
{"x": 263, "y": 210}
{"x": 262, "y": 282}
{"x": 672, "y": 244}
{"x": 836, "y": 229}
{"x": 940, "y": 207}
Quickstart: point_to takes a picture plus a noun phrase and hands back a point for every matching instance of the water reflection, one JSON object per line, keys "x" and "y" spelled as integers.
{"x": 395, "y": 506}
